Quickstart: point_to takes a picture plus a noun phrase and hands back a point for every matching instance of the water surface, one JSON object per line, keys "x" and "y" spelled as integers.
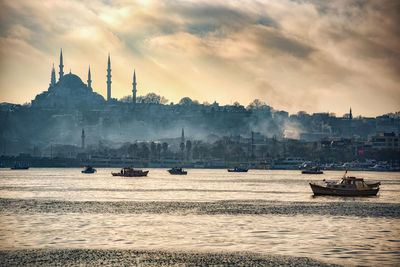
{"x": 209, "y": 211}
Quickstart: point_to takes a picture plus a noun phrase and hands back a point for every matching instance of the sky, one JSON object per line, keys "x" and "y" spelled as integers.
{"x": 313, "y": 56}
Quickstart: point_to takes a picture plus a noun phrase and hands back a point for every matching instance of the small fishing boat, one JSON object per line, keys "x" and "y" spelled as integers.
{"x": 89, "y": 169}
{"x": 130, "y": 172}
{"x": 20, "y": 166}
{"x": 312, "y": 170}
{"x": 238, "y": 169}
{"x": 176, "y": 170}
{"x": 348, "y": 186}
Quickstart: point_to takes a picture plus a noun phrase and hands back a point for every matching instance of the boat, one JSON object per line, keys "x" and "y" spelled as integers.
{"x": 20, "y": 166}
{"x": 130, "y": 172}
{"x": 238, "y": 169}
{"x": 312, "y": 170}
{"x": 89, "y": 169}
{"x": 176, "y": 170}
{"x": 348, "y": 186}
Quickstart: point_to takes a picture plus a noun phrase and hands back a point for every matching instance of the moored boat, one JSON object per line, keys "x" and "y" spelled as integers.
{"x": 348, "y": 186}
{"x": 130, "y": 172}
{"x": 238, "y": 169}
{"x": 20, "y": 166}
{"x": 176, "y": 170}
{"x": 89, "y": 169}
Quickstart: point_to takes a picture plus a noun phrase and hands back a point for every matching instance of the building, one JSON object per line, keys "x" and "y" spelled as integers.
{"x": 385, "y": 141}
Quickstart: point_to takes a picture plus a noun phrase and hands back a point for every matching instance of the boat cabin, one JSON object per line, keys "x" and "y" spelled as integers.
{"x": 349, "y": 183}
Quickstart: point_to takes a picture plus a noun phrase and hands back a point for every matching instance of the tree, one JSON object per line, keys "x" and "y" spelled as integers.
{"x": 236, "y": 104}
{"x": 126, "y": 99}
{"x": 186, "y": 101}
{"x": 256, "y": 104}
{"x": 152, "y": 98}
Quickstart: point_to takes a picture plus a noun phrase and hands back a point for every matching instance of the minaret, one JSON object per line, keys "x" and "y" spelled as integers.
{"x": 350, "y": 115}
{"x": 134, "y": 88}
{"x": 53, "y": 77}
{"x": 182, "y": 145}
{"x": 89, "y": 81}
{"x": 83, "y": 139}
{"x": 109, "y": 79}
{"x": 61, "y": 73}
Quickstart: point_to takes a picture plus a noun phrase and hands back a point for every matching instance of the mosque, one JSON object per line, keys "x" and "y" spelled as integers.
{"x": 71, "y": 92}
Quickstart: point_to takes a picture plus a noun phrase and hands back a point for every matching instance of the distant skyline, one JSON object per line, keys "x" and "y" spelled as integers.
{"x": 316, "y": 56}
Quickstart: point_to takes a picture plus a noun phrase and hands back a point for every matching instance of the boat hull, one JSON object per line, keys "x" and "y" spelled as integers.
{"x": 177, "y": 173}
{"x": 374, "y": 184}
{"x": 229, "y": 170}
{"x": 136, "y": 174}
{"x": 312, "y": 172}
{"x": 326, "y": 191}
{"x": 93, "y": 171}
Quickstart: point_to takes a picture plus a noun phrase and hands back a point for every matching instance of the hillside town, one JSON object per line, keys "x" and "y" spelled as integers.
{"x": 69, "y": 124}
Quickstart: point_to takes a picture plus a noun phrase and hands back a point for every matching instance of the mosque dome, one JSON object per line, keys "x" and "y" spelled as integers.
{"x": 71, "y": 81}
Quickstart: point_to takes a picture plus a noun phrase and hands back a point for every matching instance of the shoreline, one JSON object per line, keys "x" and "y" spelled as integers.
{"x": 133, "y": 257}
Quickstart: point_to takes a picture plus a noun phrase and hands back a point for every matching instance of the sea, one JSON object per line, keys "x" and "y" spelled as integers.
{"x": 59, "y": 216}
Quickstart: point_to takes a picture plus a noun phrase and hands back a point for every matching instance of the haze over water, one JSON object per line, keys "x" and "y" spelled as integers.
{"x": 262, "y": 211}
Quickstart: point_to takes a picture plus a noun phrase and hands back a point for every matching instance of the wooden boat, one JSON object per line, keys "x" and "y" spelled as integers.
{"x": 312, "y": 170}
{"x": 89, "y": 169}
{"x": 130, "y": 172}
{"x": 238, "y": 169}
{"x": 348, "y": 186}
{"x": 177, "y": 170}
{"x": 20, "y": 166}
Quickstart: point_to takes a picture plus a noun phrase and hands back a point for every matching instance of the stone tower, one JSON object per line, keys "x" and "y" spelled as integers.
{"x": 109, "y": 79}
{"x": 182, "y": 145}
{"x": 89, "y": 81}
{"x": 83, "y": 139}
{"x": 134, "y": 88}
{"x": 53, "y": 77}
{"x": 61, "y": 73}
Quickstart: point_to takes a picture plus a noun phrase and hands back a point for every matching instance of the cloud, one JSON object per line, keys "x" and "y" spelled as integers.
{"x": 295, "y": 55}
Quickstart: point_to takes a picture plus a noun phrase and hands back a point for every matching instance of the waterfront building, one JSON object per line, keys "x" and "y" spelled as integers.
{"x": 386, "y": 141}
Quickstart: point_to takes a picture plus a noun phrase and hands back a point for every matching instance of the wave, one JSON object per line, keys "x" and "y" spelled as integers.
{"x": 230, "y": 207}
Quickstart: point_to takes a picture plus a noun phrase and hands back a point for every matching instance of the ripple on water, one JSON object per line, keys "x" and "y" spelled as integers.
{"x": 270, "y": 234}
{"x": 256, "y": 207}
